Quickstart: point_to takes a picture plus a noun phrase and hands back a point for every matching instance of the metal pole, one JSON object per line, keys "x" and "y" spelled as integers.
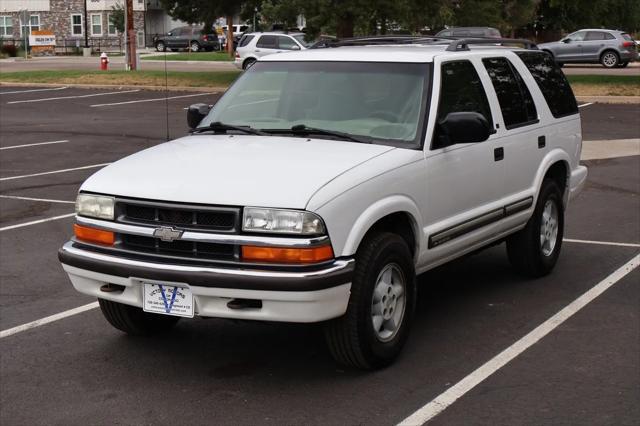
{"x": 86, "y": 31}
{"x": 27, "y": 25}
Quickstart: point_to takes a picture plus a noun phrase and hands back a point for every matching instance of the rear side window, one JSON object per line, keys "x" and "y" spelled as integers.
{"x": 595, "y": 35}
{"x": 246, "y": 39}
{"x": 515, "y": 100}
{"x": 552, "y": 83}
{"x": 461, "y": 91}
{"x": 267, "y": 42}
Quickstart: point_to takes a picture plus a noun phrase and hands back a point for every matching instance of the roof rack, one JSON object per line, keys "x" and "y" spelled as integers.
{"x": 463, "y": 44}
{"x": 455, "y": 44}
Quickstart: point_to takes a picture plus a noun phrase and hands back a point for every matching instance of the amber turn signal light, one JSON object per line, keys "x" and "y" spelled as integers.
{"x": 93, "y": 235}
{"x": 287, "y": 255}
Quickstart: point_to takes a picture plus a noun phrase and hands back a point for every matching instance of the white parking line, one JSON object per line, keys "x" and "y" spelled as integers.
{"x": 585, "y": 105}
{"x": 54, "y": 172}
{"x": 445, "y": 399}
{"x": 152, "y": 100}
{"x": 35, "y": 222}
{"x": 33, "y": 90}
{"x": 46, "y": 200}
{"x": 73, "y": 97}
{"x": 603, "y": 243}
{"x": 47, "y": 320}
{"x": 32, "y": 144}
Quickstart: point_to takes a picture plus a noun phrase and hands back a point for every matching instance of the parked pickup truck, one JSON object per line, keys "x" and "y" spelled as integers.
{"x": 324, "y": 180}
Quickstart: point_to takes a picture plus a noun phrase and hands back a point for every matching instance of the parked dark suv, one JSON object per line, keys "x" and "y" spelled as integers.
{"x": 482, "y": 32}
{"x": 191, "y": 38}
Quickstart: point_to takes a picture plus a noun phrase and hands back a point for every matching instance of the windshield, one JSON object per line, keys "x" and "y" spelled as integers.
{"x": 381, "y": 101}
{"x": 300, "y": 39}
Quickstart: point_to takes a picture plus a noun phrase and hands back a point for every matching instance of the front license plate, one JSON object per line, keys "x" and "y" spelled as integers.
{"x": 168, "y": 300}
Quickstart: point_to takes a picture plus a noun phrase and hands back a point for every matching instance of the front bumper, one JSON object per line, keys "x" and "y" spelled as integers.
{"x": 290, "y": 296}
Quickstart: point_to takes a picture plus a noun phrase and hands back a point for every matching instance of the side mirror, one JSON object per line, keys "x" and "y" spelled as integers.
{"x": 462, "y": 127}
{"x": 566, "y": 40}
{"x": 169, "y": 33}
{"x": 196, "y": 113}
{"x": 295, "y": 47}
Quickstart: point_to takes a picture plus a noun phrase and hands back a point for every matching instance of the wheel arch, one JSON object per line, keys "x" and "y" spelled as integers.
{"x": 556, "y": 167}
{"x": 397, "y": 214}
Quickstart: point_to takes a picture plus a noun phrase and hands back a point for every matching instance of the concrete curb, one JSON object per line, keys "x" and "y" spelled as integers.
{"x": 119, "y": 86}
{"x": 610, "y": 99}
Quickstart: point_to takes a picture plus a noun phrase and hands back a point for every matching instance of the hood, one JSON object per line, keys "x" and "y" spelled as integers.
{"x": 550, "y": 44}
{"x": 263, "y": 171}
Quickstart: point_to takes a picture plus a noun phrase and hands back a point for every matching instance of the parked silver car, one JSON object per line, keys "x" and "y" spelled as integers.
{"x": 611, "y": 48}
{"x": 256, "y": 45}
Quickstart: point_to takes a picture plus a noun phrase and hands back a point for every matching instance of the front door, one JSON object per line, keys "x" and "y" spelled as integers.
{"x": 464, "y": 181}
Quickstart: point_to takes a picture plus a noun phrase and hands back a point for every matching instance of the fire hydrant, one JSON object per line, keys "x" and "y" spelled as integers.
{"x": 104, "y": 61}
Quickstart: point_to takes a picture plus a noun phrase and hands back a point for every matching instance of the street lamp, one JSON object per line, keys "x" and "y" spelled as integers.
{"x": 255, "y": 11}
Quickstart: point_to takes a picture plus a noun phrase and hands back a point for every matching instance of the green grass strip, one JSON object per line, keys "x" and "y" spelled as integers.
{"x": 199, "y": 56}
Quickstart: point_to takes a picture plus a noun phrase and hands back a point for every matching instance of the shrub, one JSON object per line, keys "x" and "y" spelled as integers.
{"x": 9, "y": 50}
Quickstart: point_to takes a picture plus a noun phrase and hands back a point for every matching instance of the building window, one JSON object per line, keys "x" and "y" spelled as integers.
{"x": 34, "y": 25}
{"x": 6, "y": 26}
{"x": 96, "y": 25}
{"x": 111, "y": 26}
{"x": 76, "y": 25}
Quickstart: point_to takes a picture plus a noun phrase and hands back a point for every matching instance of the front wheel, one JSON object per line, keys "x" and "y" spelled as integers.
{"x": 375, "y": 327}
{"x": 609, "y": 59}
{"x": 133, "y": 320}
{"x": 534, "y": 250}
{"x": 160, "y": 47}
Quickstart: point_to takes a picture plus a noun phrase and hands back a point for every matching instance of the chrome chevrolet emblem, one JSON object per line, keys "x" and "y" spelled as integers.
{"x": 167, "y": 233}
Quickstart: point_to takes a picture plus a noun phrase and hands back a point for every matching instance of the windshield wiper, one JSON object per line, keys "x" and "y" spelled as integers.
{"x": 217, "y": 126}
{"x": 301, "y": 129}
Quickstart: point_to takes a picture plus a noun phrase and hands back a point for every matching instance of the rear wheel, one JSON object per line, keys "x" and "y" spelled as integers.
{"x": 194, "y": 46}
{"x": 609, "y": 59}
{"x": 133, "y": 320}
{"x": 160, "y": 47}
{"x": 534, "y": 250}
{"x": 247, "y": 64}
{"x": 375, "y": 327}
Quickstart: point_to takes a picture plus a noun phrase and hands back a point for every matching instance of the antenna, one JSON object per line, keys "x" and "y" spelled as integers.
{"x": 166, "y": 85}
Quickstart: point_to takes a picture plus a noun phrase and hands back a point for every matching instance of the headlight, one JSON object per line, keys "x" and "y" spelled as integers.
{"x": 95, "y": 206}
{"x": 281, "y": 221}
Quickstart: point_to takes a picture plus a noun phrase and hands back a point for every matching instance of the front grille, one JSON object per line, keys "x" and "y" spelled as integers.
{"x": 178, "y": 248}
{"x": 186, "y": 217}
{"x": 183, "y": 217}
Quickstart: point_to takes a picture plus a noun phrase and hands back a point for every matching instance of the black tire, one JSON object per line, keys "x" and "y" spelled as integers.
{"x": 623, "y": 64}
{"x": 351, "y": 338}
{"x": 133, "y": 320}
{"x": 247, "y": 63}
{"x": 560, "y": 64}
{"x": 609, "y": 59}
{"x": 161, "y": 47}
{"x": 524, "y": 248}
{"x": 194, "y": 46}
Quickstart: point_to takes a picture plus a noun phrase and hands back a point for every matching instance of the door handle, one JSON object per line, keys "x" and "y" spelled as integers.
{"x": 498, "y": 154}
{"x": 542, "y": 141}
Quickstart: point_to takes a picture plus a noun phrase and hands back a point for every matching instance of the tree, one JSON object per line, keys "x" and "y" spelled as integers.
{"x": 117, "y": 17}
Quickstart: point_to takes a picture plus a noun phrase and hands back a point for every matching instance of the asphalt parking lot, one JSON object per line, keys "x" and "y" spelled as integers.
{"x": 78, "y": 370}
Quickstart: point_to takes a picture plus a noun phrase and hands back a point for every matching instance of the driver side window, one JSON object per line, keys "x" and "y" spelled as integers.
{"x": 461, "y": 91}
{"x": 579, "y": 36}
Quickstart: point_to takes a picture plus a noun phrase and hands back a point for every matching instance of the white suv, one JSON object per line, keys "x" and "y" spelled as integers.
{"x": 323, "y": 181}
{"x": 254, "y": 46}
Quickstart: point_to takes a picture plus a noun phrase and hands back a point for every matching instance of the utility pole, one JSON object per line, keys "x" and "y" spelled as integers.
{"x": 130, "y": 40}
{"x": 86, "y": 32}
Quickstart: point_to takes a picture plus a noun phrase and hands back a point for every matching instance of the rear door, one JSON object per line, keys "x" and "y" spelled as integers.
{"x": 594, "y": 42}
{"x": 519, "y": 130}
{"x": 287, "y": 43}
{"x": 266, "y": 45}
